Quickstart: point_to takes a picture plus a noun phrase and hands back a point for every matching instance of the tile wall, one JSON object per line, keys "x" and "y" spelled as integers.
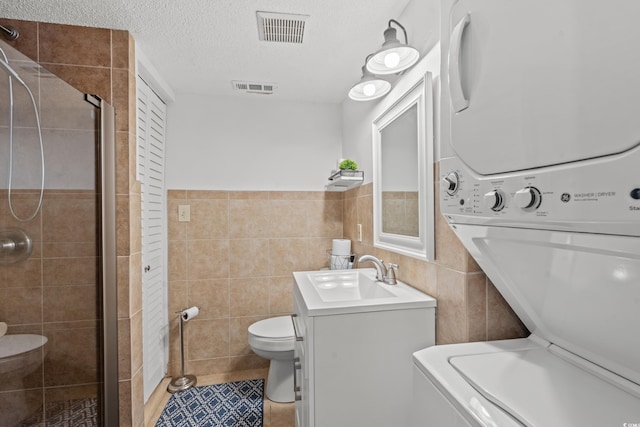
{"x": 235, "y": 257}
{"x": 102, "y": 62}
{"x": 234, "y": 261}
{"x": 46, "y": 295}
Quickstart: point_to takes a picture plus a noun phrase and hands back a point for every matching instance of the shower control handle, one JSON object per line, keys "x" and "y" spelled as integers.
{"x": 7, "y": 245}
{"x": 15, "y": 245}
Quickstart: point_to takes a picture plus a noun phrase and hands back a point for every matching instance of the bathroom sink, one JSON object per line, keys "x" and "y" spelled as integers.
{"x": 328, "y": 292}
{"x": 346, "y": 285}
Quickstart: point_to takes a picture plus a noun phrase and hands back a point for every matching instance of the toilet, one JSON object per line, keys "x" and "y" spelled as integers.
{"x": 274, "y": 339}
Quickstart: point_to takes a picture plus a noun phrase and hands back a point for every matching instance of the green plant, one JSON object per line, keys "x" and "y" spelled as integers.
{"x": 348, "y": 164}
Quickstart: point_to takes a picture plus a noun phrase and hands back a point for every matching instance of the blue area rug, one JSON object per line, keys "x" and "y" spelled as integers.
{"x": 236, "y": 404}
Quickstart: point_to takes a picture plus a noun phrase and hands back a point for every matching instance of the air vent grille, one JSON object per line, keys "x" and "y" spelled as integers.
{"x": 253, "y": 87}
{"x": 281, "y": 27}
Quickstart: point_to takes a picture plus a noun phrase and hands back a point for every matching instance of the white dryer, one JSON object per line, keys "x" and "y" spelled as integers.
{"x": 542, "y": 186}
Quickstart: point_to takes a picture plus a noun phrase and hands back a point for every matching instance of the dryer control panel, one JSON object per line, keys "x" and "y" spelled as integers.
{"x": 595, "y": 196}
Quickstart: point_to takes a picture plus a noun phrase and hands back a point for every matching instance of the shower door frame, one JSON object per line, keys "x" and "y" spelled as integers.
{"x": 110, "y": 415}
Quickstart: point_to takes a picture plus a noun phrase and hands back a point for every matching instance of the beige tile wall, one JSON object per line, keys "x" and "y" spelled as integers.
{"x": 102, "y": 62}
{"x": 235, "y": 257}
{"x": 234, "y": 261}
{"x": 47, "y": 294}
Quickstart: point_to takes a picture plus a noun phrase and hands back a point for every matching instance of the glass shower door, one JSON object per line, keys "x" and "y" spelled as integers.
{"x": 51, "y": 298}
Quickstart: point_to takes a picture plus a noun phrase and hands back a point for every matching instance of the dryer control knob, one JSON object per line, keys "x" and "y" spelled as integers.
{"x": 451, "y": 183}
{"x": 495, "y": 200}
{"x": 527, "y": 198}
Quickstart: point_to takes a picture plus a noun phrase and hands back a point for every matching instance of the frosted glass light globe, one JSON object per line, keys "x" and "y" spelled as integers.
{"x": 369, "y": 89}
{"x": 391, "y": 60}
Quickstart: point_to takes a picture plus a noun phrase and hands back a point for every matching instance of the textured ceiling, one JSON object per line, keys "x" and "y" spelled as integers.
{"x": 201, "y": 45}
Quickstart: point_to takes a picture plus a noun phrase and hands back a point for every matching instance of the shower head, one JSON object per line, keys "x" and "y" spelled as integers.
{"x": 5, "y": 65}
{"x": 9, "y": 32}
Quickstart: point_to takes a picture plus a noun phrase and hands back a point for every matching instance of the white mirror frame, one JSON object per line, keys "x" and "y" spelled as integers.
{"x": 421, "y": 247}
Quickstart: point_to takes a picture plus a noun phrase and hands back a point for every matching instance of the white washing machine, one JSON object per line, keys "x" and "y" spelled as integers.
{"x": 541, "y": 183}
{"x": 562, "y": 245}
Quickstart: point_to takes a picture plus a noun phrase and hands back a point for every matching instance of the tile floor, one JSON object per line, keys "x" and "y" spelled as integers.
{"x": 275, "y": 414}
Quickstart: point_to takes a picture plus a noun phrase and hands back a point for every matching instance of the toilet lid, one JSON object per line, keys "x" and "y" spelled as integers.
{"x": 12, "y": 345}
{"x": 275, "y": 327}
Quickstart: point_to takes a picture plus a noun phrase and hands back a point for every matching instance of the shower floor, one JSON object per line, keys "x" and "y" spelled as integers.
{"x": 66, "y": 413}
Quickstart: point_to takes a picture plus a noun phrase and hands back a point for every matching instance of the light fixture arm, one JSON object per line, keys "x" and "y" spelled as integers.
{"x": 406, "y": 40}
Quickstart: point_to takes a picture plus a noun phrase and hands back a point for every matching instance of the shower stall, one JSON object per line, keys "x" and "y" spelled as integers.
{"x": 58, "y": 357}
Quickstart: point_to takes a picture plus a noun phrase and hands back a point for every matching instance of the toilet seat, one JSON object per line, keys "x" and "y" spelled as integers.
{"x": 14, "y": 345}
{"x": 274, "y": 327}
{"x": 273, "y": 334}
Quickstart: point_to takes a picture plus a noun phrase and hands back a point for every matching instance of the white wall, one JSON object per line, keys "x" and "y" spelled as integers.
{"x": 255, "y": 143}
{"x": 422, "y": 22}
{"x": 251, "y": 143}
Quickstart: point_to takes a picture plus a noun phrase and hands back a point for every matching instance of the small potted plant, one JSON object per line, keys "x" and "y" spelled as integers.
{"x": 348, "y": 164}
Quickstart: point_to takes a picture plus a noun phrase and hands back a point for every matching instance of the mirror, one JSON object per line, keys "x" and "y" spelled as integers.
{"x": 403, "y": 212}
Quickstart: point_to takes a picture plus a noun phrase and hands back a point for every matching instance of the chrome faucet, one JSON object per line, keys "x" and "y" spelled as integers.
{"x": 383, "y": 274}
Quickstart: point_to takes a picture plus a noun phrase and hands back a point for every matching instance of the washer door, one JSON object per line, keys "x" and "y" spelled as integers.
{"x": 542, "y": 82}
{"x": 577, "y": 290}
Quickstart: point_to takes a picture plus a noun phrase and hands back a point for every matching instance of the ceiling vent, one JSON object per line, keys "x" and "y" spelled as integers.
{"x": 253, "y": 87}
{"x": 281, "y": 27}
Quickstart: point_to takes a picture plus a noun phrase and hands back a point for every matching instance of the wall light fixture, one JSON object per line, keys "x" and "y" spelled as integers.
{"x": 369, "y": 87}
{"x": 393, "y": 57}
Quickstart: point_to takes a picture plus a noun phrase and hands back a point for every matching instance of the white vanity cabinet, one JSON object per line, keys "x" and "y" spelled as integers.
{"x": 354, "y": 364}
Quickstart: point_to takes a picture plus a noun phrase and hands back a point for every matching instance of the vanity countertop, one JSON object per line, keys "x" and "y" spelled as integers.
{"x": 328, "y": 292}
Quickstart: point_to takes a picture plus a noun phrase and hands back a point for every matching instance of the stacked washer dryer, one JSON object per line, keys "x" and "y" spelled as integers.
{"x": 541, "y": 183}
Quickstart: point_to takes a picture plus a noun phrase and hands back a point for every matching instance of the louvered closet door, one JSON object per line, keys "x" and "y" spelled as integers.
{"x": 151, "y": 148}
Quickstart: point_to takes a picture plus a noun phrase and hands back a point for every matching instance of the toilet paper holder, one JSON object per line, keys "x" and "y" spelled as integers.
{"x": 183, "y": 382}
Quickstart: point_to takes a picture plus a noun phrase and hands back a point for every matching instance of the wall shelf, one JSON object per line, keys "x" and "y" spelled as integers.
{"x": 343, "y": 180}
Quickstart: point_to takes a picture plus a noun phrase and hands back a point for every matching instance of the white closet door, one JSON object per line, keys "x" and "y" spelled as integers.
{"x": 151, "y": 148}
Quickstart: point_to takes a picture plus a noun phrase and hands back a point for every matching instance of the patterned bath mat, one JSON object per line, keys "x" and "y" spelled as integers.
{"x": 236, "y": 404}
{"x": 65, "y": 413}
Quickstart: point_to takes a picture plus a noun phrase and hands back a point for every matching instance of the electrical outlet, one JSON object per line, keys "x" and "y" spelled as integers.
{"x": 184, "y": 213}
{"x": 359, "y": 232}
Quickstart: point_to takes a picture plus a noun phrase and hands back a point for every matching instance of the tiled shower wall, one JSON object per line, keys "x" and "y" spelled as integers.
{"x": 46, "y": 295}
{"x": 235, "y": 257}
{"x": 234, "y": 260}
{"x": 102, "y": 62}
